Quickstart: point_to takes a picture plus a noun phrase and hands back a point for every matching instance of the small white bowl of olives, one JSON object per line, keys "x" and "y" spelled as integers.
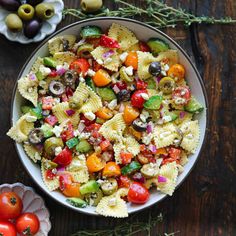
{"x": 27, "y": 21}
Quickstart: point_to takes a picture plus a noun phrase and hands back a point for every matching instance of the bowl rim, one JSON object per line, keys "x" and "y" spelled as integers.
{"x": 136, "y": 22}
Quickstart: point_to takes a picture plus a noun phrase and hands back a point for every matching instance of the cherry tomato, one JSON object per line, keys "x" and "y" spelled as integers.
{"x": 132, "y": 60}
{"x": 108, "y": 42}
{"x": 111, "y": 169}
{"x": 96, "y": 66}
{"x": 126, "y": 157}
{"x": 65, "y": 179}
{"x": 80, "y": 65}
{"x": 94, "y": 163}
{"x": 64, "y": 158}
{"x": 181, "y": 95}
{"x": 138, "y": 193}
{"x": 93, "y": 127}
{"x": 174, "y": 153}
{"x": 123, "y": 181}
{"x": 140, "y": 84}
{"x": 105, "y": 144}
{"x": 87, "y": 122}
{"x": 50, "y": 175}
{"x": 27, "y": 224}
{"x": 137, "y": 99}
{"x": 10, "y": 205}
{"x": 169, "y": 160}
{"x": 176, "y": 71}
{"x": 7, "y": 229}
{"x": 68, "y": 133}
{"x": 53, "y": 74}
{"x": 144, "y": 47}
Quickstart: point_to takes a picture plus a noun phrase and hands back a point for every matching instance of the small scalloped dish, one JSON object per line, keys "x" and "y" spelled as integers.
{"x": 48, "y": 27}
{"x": 33, "y": 203}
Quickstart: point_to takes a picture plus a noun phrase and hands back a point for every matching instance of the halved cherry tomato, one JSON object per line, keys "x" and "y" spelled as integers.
{"x": 80, "y": 65}
{"x": 176, "y": 71}
{"x": 123, "y": 181}
{"x": 130, "y": 114}
{"x": 108, "y": 42}
{"x": 51, "y": 120}
{"x": 101, "y": 78}
{"x": 27, "y": 224}
{"x": 10, "y": 205}
{"x": 174, "y": 153}
{"x": 132, "y": 60}
{"x": 144, "y": 47}
{"x": 111, "y": 169}
{"x": 140, "y": 84}
{"x": 161, "y": 151}
{"x": 169, "y": 160}
{"x": 50, "y": 175}
{"x": 68, "y": 133}
{"x": 138, "y": 193}
{"x": 7, "y": 229}
{"x": 104, "y": 113}
{"x": 47, "y": 103}
{"x": 181, "y": 95}
{"x": 72, "y": 190}
{"x": 104, "y": 145}
{"x": 65, "y": 179}
{"x": 94, "y": 126}
{"x": 96, "y": 66}
{"x": 126, "y": 157}
{"x": 64, "y": 158}
{"x": 94, "y": 163}
{"x": 137, "y": 100}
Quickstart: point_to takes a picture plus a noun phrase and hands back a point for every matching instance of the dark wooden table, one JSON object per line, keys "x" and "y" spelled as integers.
{"x": 205, "y": 204}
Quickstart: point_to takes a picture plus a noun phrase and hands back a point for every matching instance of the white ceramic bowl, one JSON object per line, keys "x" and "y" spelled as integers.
{"x": 143, "y": 32}
{"x": 32, "y": 202}
{"x": 48, "y": 26}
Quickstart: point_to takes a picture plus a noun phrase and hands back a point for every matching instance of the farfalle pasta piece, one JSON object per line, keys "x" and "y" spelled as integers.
{"x": 183, "y": 117}
{"x": 59, "y": 110}
{"x": 123, "y": 35}
{"x": 169, "y": 56}
{"x": 64, "y": 57}
{"x": 165, "y": 135}
{"x": 111, "y": 63}
{"x": 170, "y": 172}
{"x": 28, "y": 89}
{"x": 33, "y": 153}
{"x": 20, "y": 130}
{"x": 35, "y": 67}
{"x": 144, "y": 60}
{"x": 112, "y": 206}
{"x": 191, "y": 135}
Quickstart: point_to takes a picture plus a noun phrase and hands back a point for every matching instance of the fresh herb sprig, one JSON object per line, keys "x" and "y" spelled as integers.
{"x": 158, "y": 14}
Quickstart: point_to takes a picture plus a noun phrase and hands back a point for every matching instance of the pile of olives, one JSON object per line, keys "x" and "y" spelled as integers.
{"x": 27, "y": 15}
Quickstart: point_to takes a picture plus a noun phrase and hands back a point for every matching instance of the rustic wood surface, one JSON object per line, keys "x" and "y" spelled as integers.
{"x": 205, "y": 204}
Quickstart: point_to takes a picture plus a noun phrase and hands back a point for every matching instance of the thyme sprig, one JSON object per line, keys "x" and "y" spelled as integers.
{"x": 157, "y": 13}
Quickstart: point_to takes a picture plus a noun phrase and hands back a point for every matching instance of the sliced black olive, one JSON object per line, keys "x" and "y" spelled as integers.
{"x": 56, "y": 88}
{"x": 65, "y": 44}
{"x": 155, "y": 68}
{"x": 69, "y": 78}
{"x": 123, "y": 95}
{"x": 36, "y": 136}
{"x": 139, "y": 125}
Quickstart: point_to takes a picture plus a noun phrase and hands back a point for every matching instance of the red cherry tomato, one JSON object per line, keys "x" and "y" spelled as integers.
{"x": 123, "y": 181}
{"x": 140, "y": 84}
{"x": 96, "y": 66}
{"x": 10, "y": 205}
{"x": 51, "y": 120}
{"x": 64, "y": 158}
{"x": 80, "y": 65}
{"x": 65, "y": 180}
{"x": 50, "y": 175}
{"x": 87, "y": 122}
{"x": 93, "y": 127}
{"x": 144, "y": 47}
{"x": 27, "y": 224}
{"x": 181, "y": 95}
{"x": 108, "y": 42}
{"x": 68, "y": 133}
{"x": 137, "y": 100}
{"x": 138, "y": 193}
{"x": 7, "y": 229}
{"x": 53, "y": 73}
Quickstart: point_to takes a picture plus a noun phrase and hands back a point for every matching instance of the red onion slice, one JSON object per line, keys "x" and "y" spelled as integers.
{"x": 108, "y": 54}
{"x": 150, "y": 127}
{"x": 70, "y": 112}
{"x": 161, "y": 179}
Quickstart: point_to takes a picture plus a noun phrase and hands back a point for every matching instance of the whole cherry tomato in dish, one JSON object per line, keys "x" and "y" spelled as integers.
{"x": 80, "y": 65}
{"x": 10, "y": 205}
{"x": 181, "y": 95}
{"x": 138, "y": 98}
{"x": 27, "y": 224}
{"x": 138, "y": 193}
{"x": 7, "y": 229}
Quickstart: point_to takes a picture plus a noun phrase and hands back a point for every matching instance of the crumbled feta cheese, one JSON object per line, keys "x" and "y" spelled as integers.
{"x": 56, "y": 101}
{"x": 90, "y": 115}
{"x": 84, "y": 135}
{"x": 54, "y": 171}
{"x": 97, "y": 149}
{"x": 112, "y": 202}
{"x": 166, "y": 118}
{"x": 145, "y": 113}
{"x": 183, "y": 92}
{"x": 179, "y": 101}
{"x": 81, "y": 79}
{"x": 100, "y": 61}
{"x": 30, "y": 90}
{"x": 112, "y": 104}
{"x": 100, "y": 181}
{"x": 189, "y": 136}
{"x": 76, "y": 133}
{"x": 58, "y": 150}
{"x": 123, "y": 56}
{"x": 44, "y": 70}
{"x": 166, "y": 67}
{"x": 129, "y": 70}
{"x": 57, "y": 130}
{"x": 144, "y": 96}
{"x": 31, "y": 118}
{"x": 37, "y": 156}
{"x": 91, "y": 72}
{"x": 163, "y": 72}
{"x": 164, "y": 134}
{"x": 160, "y": 122}
{"x": 107, "y": 60}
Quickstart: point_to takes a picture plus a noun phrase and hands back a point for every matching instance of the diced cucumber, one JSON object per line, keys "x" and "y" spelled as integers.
{"x": 107, "y": 94}
{"x": 124, "y": 76}
{"x": 83, "y": 146}
{"x": 173, "y": 115}
{"x": 90, "y": 83}
{"x": 193, "y": 106}
{"x": 39, "y": 75}
{"x": 130, "y": 168}
{"x": 26, "y": 109}
{"x": 85, "y": 50}
{"x": 47, "y": 130}
{"x": 37, "y": 111}
{"x": 90, "y": 187}
{"x": 153, "y": 103}
{"x": 151, "y": 84}
{"x": 157, "y": 45}
{"x": 90, "y": 31}
{"x": 76, "y": 202}
{"x": 48, "y": 61}
{"x": 72, "y": 142}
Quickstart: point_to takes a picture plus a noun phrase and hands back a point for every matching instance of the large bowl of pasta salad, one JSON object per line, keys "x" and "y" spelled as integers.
{"x": 109, "y": 116}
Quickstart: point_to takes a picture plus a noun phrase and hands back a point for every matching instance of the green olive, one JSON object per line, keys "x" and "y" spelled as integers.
{"x": 93, "y": 198}
{"x": 44, "y": 11}
{"x": 51, "y": 143}
{"x": 13, "y": 22}
{"x": 166, "y": 85}
{"x": 91, "y": 5}
{"x": 26, "y": 12}
{"x": 109, "y": 186}
{"x": 85, "y": 50}
{"x": 124, "y": 76}
{"x": 150, "y": 170}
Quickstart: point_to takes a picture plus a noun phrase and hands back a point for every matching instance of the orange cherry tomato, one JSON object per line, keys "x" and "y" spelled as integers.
{"x": 176, "y": 71}
{"x": 132, "y": 60}
{"x": 124, "y": 181}
{"x": 130, "y": 114}
{"x": 104, "y": 113}
{"x": 94, "y": 163}
{"x": 135, "y": 133}
{"x": 104, "y": 145}
{"x": 72, "y": 190}
{"x": 111, "y": 169}
{"x": 80, "y": 65}
{"x": 161, "y": 151}
{"x": 126, "y": 157}
{"x": 101, "y": 78}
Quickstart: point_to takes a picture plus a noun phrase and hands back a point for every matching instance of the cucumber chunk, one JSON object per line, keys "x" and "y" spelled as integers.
{"x": 193, "y": 106}
{"x": 157, "y": 45}
{"x": 47, "y": 61}
{"x": 76, "y": 202}
{"x": 90, "y": 83}
{"x": 83, "y": 146}
{"x": 90, "y": 187}
{"x": 90, "y": 31}
{"x": 153, "y": 103}
{"x": 47, "y": 130}
{"x": 131, "y": 168}
{"x": 107, "y": 94}
{"x": 26, "y": 109}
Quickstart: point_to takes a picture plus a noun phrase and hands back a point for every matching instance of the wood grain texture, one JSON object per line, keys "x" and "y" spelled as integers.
{"x": 205, "y": 203}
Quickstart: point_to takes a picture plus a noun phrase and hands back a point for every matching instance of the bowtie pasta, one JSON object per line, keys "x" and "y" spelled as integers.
{"x": 108, "y": 117}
